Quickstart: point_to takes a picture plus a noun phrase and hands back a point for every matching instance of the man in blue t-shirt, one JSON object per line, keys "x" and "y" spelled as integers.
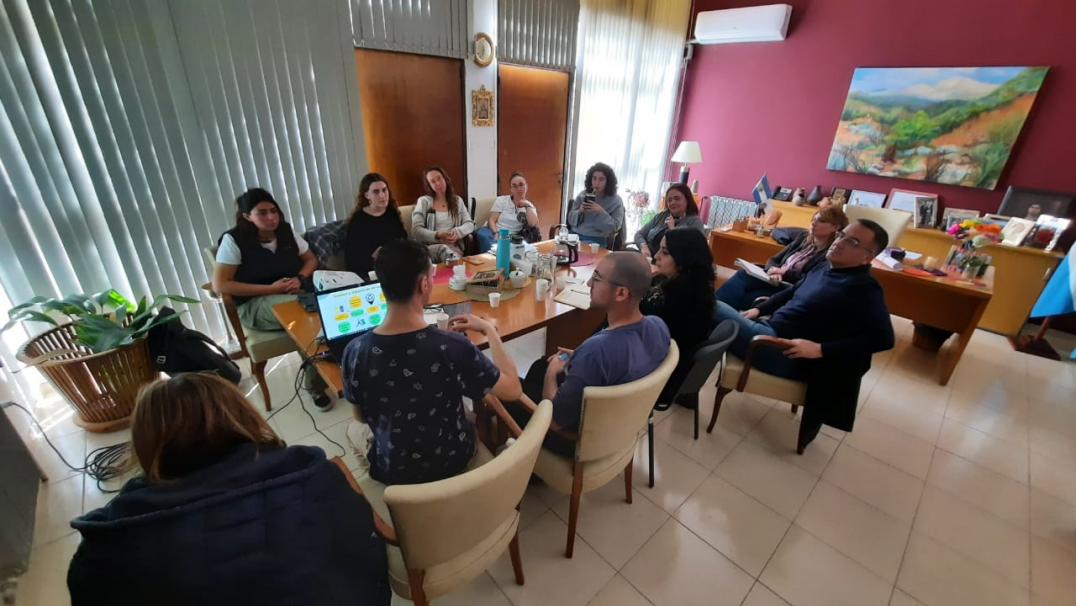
{"x": 630, "y": 348}
{"x": 407, "y": 379}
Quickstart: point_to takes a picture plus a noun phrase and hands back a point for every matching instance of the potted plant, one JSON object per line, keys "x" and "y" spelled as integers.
{"x": 99, "y": 358}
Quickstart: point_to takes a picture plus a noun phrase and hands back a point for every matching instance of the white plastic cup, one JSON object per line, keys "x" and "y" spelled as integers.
{"x": 460, "y": 271}
{"x": 373, "y": 276}
{"x": 541, "y": 288}
{"x": 494, "y": 299}
{"x": 562, "y": 282}
{"x": 442, "y": 321}
{"x": 594, "y": 246}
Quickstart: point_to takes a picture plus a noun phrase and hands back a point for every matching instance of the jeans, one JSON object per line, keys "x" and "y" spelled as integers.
{"x": 741, "y": 290}
{"x": 532, "y": 386}
{"x": 767, "y": 359}
{"x": 485, "y": 238}
{"x": 601, "y": 240}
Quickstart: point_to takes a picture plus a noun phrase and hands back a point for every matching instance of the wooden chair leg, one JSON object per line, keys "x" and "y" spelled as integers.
{"x": 650, "y": 446}
{"x": 415, "y": 579}
{"x": 517, "y": 562}
{"x": 573, "y": 508}
{"x": 718, "y": 398}
{"x": 696, "y": 416}
{"x": 795, "y": 409}
{"x": 258, "y": 370}
{"x": 627, "y": 479}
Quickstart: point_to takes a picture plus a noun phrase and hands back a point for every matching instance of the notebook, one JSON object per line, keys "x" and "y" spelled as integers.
{"x": 576, "y": 295}
{"x": 346, "y": 313}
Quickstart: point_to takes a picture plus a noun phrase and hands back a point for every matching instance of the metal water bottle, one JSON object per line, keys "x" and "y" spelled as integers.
{"x": 504, "y": 252}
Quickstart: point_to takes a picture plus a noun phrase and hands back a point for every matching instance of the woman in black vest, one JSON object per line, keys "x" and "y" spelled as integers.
{"x": 375, "y": 221}
{"x": 261, "y": 261}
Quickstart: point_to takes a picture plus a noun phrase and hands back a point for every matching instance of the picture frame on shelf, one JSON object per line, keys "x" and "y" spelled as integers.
{"x": 906, "y": 200}
{"x": 1046, "y": 232}
{"x": 1022, "y": 202}
{"x": 866, "y": 198}
{"x": 999, "y": 220}
{"x": 926, "y": 212}
{"x": 956, "y": 215}
{"x": 1016, "y": 231}
{"x": 839, "y": 195}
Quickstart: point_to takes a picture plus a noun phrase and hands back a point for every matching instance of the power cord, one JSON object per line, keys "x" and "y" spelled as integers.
{"x": 306, "y": 366}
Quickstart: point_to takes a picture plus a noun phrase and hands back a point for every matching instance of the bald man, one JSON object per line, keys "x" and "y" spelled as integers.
{"x": 630, "y": 348}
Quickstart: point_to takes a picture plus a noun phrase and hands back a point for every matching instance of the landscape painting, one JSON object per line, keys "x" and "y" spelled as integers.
{"x": 953, "y": 125}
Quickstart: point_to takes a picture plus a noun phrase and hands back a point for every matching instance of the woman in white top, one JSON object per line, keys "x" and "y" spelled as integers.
{"x": 513, "y": 212}
{"x": 440, "y": 219}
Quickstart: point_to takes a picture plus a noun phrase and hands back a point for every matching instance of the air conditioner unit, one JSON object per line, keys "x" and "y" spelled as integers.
{"x": 752, "y": 24}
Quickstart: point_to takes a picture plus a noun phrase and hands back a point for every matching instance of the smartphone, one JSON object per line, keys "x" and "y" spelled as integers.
{"x": 589, "y": 198}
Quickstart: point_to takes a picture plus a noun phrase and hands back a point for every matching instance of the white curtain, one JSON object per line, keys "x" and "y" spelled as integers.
{"x": 128, "y": 127}
{"x": 629, "y": 56}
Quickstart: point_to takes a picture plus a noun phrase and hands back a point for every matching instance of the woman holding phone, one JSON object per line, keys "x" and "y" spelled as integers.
{"x": 680, "y": 211}
{"x": 597, "y": 213}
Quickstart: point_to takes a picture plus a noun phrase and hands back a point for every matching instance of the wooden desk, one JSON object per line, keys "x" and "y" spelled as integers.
{"x": 946, "y": 304}
{"x": 566, "y": 326}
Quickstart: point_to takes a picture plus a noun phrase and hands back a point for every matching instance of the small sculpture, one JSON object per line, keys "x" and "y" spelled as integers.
{"x": 815, "y": 196}
{"x": 798, "y": 198}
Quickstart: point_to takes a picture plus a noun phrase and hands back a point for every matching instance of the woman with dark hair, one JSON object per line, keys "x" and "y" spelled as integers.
{"x": 597, "y": 213}
{"x": 786, "y": 267}
{"x": 440, "y": 219}
{"x": 680, "y": 210}
{"x": 261, "y": 261}
{"x": 682, "y": 295}
{"x": 224, "y": 513}
{"x": 513, "y": 212}
{"x": 374, "y": 221}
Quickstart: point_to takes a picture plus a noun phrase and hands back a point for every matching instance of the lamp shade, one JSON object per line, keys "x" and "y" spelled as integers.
{"x": 687, "y": 152}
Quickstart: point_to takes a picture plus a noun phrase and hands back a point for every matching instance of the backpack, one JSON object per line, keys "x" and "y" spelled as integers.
{"x": 177, "y": 349}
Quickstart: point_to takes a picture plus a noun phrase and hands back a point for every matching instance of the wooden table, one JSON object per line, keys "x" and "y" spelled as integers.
{"x": 566, "y": 326}
{"x": 948, "y": 304}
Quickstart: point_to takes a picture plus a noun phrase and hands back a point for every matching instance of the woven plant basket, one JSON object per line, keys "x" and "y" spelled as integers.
{"x": 101, "y": 387}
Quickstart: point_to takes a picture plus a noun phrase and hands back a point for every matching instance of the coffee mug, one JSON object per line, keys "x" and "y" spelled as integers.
{"x": 541, "y": 288}
{"x": 457, "y": 282}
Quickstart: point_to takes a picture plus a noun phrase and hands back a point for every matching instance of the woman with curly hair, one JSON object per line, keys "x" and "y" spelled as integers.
{"x": 682, "y": 295}
{"x": 597, "y": 213}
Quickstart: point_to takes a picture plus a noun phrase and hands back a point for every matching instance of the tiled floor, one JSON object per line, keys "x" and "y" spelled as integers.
{"x": 964, "y": 494}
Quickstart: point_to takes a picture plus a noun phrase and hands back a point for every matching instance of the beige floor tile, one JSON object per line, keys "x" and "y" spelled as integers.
{"x": 482, "y": 591}
{"x": 862, "y": 532}
{"x": 736, "y": 524}
{"x": 988, "y": 539}
{"x": 998, "y": 387}
{"x": 1012, "y": 428}
{"x": 675, "y": 475}
{"x": 910, "y": 455}
{"x": 780, "y": 486}
{"x": 762, "y": 596}
{"x": 612, "y": 526}
{"x": 981, "y": 487}
{"x": 1053, "y": 416}
{"x": 709, "y": 450}
{"x": 739, "y": 412}
{"x": 45, "y": 581}
{"x": 1039, "y": 600}
{"x": 875, "y": 482}
{"x": 531, "y": 508}
{"x": 778, "y": 433}
{"x": 1053, "y": 478}
{"x": 986, "y": 450}
{"x": 1053, "y": 520}
{"x": 1053, "y": 571}
{"x": 1052, "y": 444}
{"x": 1057, "y": 390}
{"x": 73, "y": 449}
{"x": 905, "y": 416}
{"x": 57, "y": 504}
{"x": 675, "y": 567}
{"x": 95, "y": 441}
{"x": 807, "y": 572}
{"x": 913, "y": 363}
{"x": 551, "y": 577}
{"x": 902, "y": 599}
{"x": 937, "y": 575}
{"x": 619, "y": 592}
{"x": 546, "y": 494}
{"x": 921, "y": 393}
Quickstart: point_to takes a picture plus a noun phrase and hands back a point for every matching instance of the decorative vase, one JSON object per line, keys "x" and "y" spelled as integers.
{"x": 815, "y": 196}
{"x": 798, "y": 197}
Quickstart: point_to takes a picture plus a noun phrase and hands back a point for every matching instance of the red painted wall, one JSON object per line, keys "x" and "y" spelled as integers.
{"x": 773, "y": 107}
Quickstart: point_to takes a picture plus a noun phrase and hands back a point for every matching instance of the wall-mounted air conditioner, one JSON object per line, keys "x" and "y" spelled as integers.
{"x": 753, "y": 24}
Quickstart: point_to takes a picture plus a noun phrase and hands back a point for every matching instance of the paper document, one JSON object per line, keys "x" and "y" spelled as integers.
{"x": 576, "y": 295}
{"x": 754, "y": 271}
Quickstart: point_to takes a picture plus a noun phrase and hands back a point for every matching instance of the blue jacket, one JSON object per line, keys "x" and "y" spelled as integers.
{"x": 265, "y": 525}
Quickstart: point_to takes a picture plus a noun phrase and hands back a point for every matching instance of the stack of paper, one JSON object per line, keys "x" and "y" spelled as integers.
{"x": 576, "y": 295}
{"x": 754, "y": 271}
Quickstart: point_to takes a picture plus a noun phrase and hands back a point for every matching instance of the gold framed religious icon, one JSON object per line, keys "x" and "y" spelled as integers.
{"x": 482, "y": 107}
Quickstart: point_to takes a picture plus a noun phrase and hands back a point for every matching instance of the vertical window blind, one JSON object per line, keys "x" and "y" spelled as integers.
{"x": 424, "y": 27}
{"x": 539, "y": 33}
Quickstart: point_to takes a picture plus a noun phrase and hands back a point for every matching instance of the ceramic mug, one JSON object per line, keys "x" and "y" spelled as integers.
{"x": 518, "y": 279}
{"x": 457, "y": 282}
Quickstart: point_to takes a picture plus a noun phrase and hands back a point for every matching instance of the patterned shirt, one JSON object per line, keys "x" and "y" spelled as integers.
{"x": 410, "y": 389}
{"x": 327, "y": 240}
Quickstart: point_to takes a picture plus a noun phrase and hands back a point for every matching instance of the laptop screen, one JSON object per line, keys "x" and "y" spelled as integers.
{"x": 352, "y": 310}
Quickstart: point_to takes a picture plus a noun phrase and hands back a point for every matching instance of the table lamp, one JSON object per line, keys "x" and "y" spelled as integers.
{"x": 687, "y": 152}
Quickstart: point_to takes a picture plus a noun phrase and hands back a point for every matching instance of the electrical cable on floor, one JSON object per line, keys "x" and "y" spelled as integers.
{"x": 306, "y": 366}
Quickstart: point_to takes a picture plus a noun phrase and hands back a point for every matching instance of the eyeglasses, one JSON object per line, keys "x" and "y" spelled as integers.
{"x": 597, "y": 277}
{"x": 843, "y": 238}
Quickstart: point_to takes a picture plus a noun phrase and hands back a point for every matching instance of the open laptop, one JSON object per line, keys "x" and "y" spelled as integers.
{"x": 346, "y": 313}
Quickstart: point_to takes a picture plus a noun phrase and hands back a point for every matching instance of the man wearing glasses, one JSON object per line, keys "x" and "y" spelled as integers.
{"x": 831, "y": 322}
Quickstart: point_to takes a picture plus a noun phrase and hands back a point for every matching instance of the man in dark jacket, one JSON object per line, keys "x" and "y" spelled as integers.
{"x": 831, "y": 322}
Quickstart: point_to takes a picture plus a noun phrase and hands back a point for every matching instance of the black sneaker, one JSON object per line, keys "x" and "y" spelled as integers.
{"x": 323, "y": 402}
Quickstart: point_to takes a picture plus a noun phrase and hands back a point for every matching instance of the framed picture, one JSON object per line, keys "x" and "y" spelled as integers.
{"x": 1030, "y": 204}
{"x": 1015, "y": 231}
{"x": 926, "y": 211}
{"x": 1047, "y": 230}
{"x": 956, "y": 215}
{"x": 999, "y": 220}
{"x": 839, "y": 195}
{"x": 903, "y": 199}
{"x": 866, "y": 198}
{"x": 482, "y": 107}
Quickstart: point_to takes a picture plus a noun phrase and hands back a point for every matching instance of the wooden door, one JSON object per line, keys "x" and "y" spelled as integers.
{"x": 532, "y": 111}
{"x": 412, "y": 116}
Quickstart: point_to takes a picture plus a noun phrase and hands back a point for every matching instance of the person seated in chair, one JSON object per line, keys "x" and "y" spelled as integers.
{"x": 225, "y": 513}
{"x": 374, "y": 221}
{"x": 680, "y": 211}
{"x": 786, "y": 267}
{"x": 440, "y": 218}
{"x": 407, "y": 379}
{"x": 597, "y": 213}
{"x": 681, "y": 296}
{"x": 515, "y": 213}
{"x": 831, "y": 322}
{"x": 631, "y": 347}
